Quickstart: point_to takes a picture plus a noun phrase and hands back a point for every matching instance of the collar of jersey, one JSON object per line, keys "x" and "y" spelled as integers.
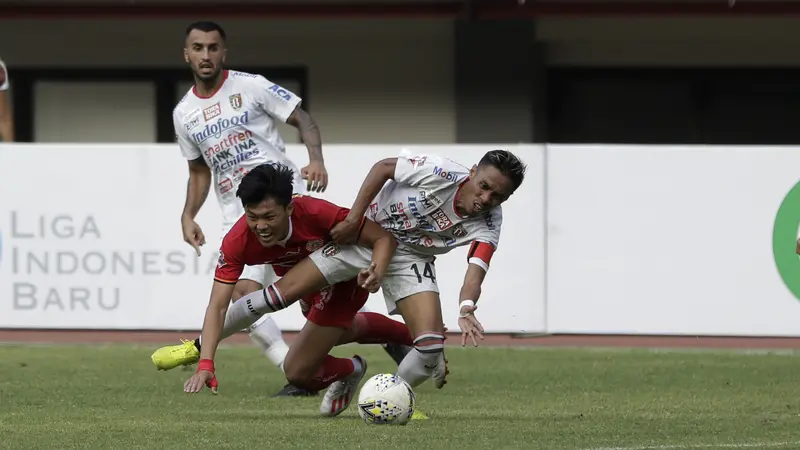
{"x": 288, "y": 235}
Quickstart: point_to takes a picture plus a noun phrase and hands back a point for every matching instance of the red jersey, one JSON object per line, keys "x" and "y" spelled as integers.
{"x": 309, "y": 230}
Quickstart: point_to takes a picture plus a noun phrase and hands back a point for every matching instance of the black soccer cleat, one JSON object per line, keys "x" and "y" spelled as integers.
{"x": 294, "y": 391}
{"x": 397, "y": 352}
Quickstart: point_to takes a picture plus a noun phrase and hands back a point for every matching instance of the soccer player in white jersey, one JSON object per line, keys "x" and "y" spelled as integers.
{"x": 225, "y": 126}
{"x": 431, "y": 205}
{"x": 6, "y": 115}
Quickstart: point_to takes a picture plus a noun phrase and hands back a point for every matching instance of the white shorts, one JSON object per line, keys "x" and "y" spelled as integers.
{"x": 408, "y": 273}
{"x": 263, "y": 273}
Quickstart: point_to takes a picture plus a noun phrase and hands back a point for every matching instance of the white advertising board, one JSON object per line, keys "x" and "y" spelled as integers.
{"x": 90, "y": 239}
{"x": 672, "y": 240}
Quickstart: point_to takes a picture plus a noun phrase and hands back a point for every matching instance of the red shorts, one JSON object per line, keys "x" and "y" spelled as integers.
{"x": 336, "y": 305}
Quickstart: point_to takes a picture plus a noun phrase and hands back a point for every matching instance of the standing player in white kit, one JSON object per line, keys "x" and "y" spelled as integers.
{"x": 225, "y": 126}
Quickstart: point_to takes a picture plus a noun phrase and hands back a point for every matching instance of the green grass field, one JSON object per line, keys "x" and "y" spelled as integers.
{"x": 62, "y": 397}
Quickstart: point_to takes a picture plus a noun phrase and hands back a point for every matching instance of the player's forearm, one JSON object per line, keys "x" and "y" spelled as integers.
{"x": 473, "y": 280}
{"x": 470, "y": 291}
{"x": 196, "y": 192}
{"x": 382, "y": 253}
{"x": 380, "y": 173}
{"x": 309, "y": 132}
{"x": 313, "y": 140}
{"x": 212, "y": 329}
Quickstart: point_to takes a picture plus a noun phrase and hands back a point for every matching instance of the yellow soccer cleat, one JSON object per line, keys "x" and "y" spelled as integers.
{"x": 418, "y": 415}
{"x": 172, "y": 356}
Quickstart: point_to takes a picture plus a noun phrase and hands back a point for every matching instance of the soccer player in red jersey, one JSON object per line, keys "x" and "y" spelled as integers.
{"x": 280, "y": 230}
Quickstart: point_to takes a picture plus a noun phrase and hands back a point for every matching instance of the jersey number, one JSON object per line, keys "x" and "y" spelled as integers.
{"x": 427, "y": 273}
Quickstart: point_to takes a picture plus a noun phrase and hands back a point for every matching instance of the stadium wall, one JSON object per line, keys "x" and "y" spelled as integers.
{"x": 370, "y": 80}
{"x": 598, "y": 240}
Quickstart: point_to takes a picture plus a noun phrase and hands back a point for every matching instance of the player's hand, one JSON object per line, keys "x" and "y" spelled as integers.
{"x": 370, "y": 278}
{"x": 202, "y": 378}
{"x": 797, "y": 249}
{"x": 192, "y": 234}
{"x": 346, "y": 231}
{"x": 469, "y": 325}
{"x": 316, "y": 176}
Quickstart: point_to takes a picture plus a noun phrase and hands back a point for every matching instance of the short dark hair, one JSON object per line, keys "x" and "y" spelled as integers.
{"x": 268, "y": 180}
{"x": 507, "y": 163}
{"x": 206, "y": 26}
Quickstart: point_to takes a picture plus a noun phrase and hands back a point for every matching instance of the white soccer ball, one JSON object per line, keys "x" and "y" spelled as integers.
{"x": 386, "y": 399}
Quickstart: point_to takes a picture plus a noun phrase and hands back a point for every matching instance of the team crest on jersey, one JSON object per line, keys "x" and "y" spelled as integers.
{"x": 459, "y": 231}
{"x": 313, "y": 245}
{"x": 221, "y": 259}
{"x": 331, "y": 250}
{"x": 236, "y": 101}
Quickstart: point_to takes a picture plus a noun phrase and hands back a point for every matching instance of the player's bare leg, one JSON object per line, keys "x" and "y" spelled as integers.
{"x": 308, "y": 365}
{"x": 422, "y": 313}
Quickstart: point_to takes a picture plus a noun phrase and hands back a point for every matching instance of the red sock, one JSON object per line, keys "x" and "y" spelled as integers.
{"x": 374, "y": 328}
{"x": 333, "y": 369}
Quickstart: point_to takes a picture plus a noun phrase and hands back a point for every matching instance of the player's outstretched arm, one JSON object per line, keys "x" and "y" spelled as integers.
{"x": 315, "y": 173}
{"x": 470, "y": 292}
{"x": 383, "y": 246}
{"x": 346, "y": 231}
{"x": 210, "y": 337}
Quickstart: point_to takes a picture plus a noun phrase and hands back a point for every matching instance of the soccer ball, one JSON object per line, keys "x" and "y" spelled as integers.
{"x": 386, "y": 399}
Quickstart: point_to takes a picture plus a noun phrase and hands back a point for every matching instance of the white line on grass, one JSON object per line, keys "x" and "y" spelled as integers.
{"x": 675, "y": 446}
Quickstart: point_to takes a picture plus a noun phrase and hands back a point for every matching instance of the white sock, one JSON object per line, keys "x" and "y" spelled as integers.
{"x": 417, "y": 367}
{"x": 267, "y": 336}
{"x": 238, "y": 318}
{"x": 419, "y": 364}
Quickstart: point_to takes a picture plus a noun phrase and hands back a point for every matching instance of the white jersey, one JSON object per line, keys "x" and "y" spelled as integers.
{"x": 234, "y": 131}
{"x": 3, "y": 76}
{"x": 418, "y": 207}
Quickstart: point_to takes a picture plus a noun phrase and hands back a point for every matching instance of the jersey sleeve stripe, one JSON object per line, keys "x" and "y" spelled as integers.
{"x": 223, "y": 281}
{"x": 479, "y": 262}
{"x": 482, "y": 251}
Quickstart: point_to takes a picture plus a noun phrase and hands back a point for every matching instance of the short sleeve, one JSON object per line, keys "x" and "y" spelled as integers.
{"x": 230, "y": 264}
{"x": 189, "y": 150}
{"x": 3, "y": 77}
{"x": 428, "y": 171}
{"x": 274, "y": 99}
